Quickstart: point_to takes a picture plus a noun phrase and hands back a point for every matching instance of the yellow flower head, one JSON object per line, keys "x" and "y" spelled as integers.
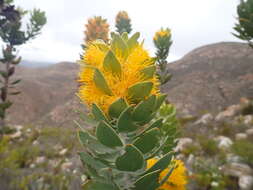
{"x": 108, "y": 72}
{"x": 162, "y": 33}
{"x": 177, "y": 180}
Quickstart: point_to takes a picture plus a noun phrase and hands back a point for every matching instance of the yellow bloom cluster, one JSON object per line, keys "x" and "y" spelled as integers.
{"x": 162, "y": 33}
{"x": 131, "y": 73}
{"x": 177, "y": 180}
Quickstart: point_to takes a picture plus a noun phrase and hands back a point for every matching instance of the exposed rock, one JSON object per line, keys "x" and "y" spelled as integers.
{"x": 214, "y": 184}
{"x": 18, "y": 127}
{"x": 190, "y": 161}
{"x": 205, "y": 119}
{"x": 63, "y": 152}
{"x": 32, "y": 165}
{"x": 16, "y": 135}
{"x": 40, "y": 160}
{"x": 241, "y": 136}
{"x": 28, "y": 130}
{"x": 58, "y": 147}
{"x": 231, "y": 158}
{"x": 223, "y": 142}
{"x": 248, "y": 119}
{"x": 228, "y": 113}
{"x": 183, "y": 143}
{"x": 249, "y": 132}
{"x": 246, "y": 182}
{"x": 237, "y": 169}
{"x": 54, "y": 163}
{"x": 67, "y": 166}
{"x": 35, "y": 142}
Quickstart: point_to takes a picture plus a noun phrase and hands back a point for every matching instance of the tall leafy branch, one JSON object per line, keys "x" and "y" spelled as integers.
{"x": 13, "y": 35}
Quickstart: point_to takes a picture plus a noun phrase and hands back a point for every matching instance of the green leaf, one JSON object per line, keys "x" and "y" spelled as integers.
{"x": 148, "y": 119}
{"x": 148, "y": 141}
{"x": 124, "y": 36}
{"x": 16, "y": 82}
{"x": 161, "y": 164}
{"x": 159, "y": 101}
{"x": 88, "y": 159}
{"x": 117, "y": 107}
{"x": 3, "y": 74}
{"x": 101, "y": 45}
{"x": 97, "y": 185}
{"x": 157, "y": 124}
{"x": 111, "y": 63}
{"x": 144, "y": 109}
{"x": 88, "y": 119}
{"x": 5, "y": 105}
{"x": 107, "y": 136}
{"x": 149, "y": 72}
{"x": 101, "y": 83}
{"x": 125, "y": 123}
{"x": 119, "y": 47}
{"x": 92, "y": 143}
{"x": 165, "y": 179}
{"x": 139, "y": 91}
{"x": 133, "y": 41}
{"x": 149, "y": 181}
{"x": 98, "y": 113}
{"x": 132, "y": 160}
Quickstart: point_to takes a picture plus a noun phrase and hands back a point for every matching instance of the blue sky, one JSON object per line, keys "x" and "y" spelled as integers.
{"x": 193, "y": 23}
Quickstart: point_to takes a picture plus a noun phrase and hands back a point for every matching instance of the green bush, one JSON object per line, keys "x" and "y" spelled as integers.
{"x": 209, "y": 146}
{"x": 244, "y": 149}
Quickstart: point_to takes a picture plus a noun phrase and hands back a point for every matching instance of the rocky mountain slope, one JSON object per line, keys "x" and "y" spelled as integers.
{"x": 209, "y": 78}
{"x": 45, "y": 92}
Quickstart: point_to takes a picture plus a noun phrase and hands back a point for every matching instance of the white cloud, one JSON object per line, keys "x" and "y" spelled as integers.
{"x": 193, "y": 23}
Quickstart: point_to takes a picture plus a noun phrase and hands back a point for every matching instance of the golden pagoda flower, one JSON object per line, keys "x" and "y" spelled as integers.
{"x": 118, "y": 81}
{"x": 162, "y": 33}
{"x": 177, "y": 179}
{"x": 116, "y": 71}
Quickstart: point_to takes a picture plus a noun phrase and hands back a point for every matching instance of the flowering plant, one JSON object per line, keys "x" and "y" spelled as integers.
{"x": 133, "y": 125}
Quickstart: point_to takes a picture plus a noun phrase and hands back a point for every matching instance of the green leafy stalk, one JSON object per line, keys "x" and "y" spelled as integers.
{"x": 162, "y": 41}
{"x": 244, "y": 27}
{"x": 13, "y": 36}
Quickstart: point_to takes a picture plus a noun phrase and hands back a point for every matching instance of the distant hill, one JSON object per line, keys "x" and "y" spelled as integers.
{"x": 209, "y": 78}
{"x": 35, "y": 64}
{"x": 45, "y": 90}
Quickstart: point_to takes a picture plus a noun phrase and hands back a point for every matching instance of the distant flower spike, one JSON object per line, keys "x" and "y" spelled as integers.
{"x": 123, "y": 22}
{"x": 96, "y": 28}
{"x": 162, "y": 41}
